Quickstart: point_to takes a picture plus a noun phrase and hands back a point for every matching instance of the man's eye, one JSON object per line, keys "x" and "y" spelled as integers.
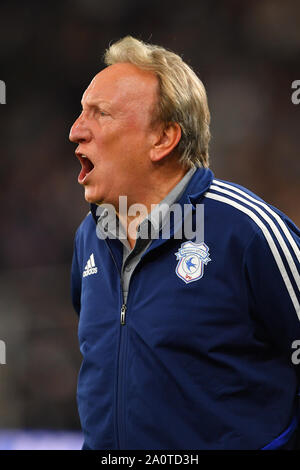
{"x": 100, "y": 112}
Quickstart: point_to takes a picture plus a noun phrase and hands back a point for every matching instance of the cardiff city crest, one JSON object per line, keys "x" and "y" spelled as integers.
{"x": 192, "y": 258}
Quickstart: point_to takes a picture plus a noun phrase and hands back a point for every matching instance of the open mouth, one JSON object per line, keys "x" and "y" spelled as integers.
{"x": 86, "y": 167}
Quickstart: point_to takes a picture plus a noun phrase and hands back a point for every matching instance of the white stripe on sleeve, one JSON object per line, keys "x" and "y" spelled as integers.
{"x": 276, "y": 232}
{"x": 270, "y": 241}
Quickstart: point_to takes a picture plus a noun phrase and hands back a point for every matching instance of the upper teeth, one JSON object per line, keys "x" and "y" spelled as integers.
{"x": 83, "y": 156}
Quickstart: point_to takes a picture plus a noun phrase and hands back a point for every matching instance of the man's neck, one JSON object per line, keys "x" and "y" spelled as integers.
{"x": 155, "y": 190}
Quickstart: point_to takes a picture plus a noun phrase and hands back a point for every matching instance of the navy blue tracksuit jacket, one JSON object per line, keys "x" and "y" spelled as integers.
{"x": 204, "y": 358}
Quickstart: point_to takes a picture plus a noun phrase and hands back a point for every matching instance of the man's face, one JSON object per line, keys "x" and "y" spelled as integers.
{"x": 114, "y": 133}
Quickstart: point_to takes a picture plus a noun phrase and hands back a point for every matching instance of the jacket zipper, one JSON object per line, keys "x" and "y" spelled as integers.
{"x": 121, "y": 362}
{"x": 121, "y": 371}
{"x": 123, "y": 313}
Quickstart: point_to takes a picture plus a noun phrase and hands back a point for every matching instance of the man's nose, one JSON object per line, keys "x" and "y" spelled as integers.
{"x": 79, "y": 131}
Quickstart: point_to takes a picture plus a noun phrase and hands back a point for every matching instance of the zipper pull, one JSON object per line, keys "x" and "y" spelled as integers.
{"x": 123, "y": 311}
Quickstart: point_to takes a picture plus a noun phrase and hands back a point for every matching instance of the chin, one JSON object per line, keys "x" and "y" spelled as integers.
{"x": 91, "y": 197}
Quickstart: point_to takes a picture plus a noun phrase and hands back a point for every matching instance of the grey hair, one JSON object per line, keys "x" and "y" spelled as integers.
{"x": 182, "y": 94}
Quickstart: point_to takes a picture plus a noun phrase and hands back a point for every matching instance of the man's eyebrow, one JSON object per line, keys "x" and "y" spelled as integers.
{"x": 93, "y": 103}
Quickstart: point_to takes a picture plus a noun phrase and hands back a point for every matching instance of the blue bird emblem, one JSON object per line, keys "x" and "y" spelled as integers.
{"x": 189, "y": 264}
{"x": 192, "y": 257}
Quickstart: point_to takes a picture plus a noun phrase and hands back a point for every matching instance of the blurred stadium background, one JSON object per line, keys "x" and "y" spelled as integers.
{"x": 246, "y": 53}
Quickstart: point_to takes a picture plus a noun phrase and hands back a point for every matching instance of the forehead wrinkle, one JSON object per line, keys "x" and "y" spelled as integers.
{"x": 124, "y": 87}
{"x": 126, "y": 79}
{"x": 134, "y": 94}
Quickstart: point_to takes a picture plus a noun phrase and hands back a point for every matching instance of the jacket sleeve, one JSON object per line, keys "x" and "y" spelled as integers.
{"x": 272, "y": 272}
{"x": 76, "y": 279}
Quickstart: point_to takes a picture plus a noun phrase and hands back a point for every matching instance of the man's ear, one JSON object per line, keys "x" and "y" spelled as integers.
{"x": 166, "y": 140}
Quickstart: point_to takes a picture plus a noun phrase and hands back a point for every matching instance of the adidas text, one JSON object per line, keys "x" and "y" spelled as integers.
{"x": 90, "y": 267}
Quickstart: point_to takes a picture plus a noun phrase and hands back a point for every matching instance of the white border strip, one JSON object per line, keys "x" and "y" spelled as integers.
{"x": 270, "y": 241}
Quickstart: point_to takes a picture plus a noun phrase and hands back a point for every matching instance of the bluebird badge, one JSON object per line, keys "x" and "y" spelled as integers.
{"x": 191, "y": 260}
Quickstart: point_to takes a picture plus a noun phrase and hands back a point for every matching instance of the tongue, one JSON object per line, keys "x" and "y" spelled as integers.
{"x": 87, "y": 167}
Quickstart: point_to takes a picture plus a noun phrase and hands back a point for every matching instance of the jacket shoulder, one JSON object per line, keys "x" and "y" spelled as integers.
{"x": 237, "y": 201}
{"x": 86, "y": 225}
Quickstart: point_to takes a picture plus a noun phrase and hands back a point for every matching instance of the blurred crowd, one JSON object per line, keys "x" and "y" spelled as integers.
{"x": 247, "y": 55}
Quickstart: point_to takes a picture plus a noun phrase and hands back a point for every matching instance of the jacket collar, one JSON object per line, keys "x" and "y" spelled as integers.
{"x": 199, "y": 184}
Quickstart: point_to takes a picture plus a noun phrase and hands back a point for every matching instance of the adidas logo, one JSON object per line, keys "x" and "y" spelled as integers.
{"x": 90, "y": 267}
